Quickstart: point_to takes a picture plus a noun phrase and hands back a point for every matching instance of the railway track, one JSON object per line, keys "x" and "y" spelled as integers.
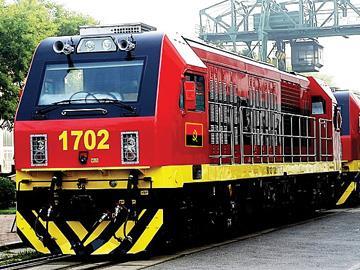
{"x": 63, "y": 262}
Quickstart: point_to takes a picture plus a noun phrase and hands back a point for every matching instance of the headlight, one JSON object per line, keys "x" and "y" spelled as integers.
{"x": 102, "y": 44}
{"x": 90, "y": 45}
{"x": 39, "y": 155}
{"x": 107, "y": 45}
{"x": 130, "y": 147}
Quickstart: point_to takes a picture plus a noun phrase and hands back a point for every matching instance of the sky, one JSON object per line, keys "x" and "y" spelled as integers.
{"x": 341, "y": 55}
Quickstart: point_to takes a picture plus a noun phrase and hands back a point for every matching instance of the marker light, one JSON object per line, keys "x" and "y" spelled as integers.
{"x": 39, "y": 155}
{"x": 94, "y": 44}
{"x": 130, "y": 147}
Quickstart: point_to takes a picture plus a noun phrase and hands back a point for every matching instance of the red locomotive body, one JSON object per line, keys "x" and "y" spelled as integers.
{"x": 161, "y": 135}
{"x": 350, "y": 137}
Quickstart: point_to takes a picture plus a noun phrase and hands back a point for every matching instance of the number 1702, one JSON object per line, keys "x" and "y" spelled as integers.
{"x": 89, "y": 138}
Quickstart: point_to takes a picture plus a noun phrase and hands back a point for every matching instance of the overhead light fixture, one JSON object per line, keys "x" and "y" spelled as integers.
{"x": 96, "y": 44}
{"x": 126, "y": 45}
{"x": 61, "y": 47}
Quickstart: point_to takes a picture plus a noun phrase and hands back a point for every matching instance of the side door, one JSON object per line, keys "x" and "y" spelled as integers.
{"x": 195, "y": 124}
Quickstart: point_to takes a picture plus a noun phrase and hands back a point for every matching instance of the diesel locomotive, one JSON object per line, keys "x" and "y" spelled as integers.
{"x": 127, "y": 140}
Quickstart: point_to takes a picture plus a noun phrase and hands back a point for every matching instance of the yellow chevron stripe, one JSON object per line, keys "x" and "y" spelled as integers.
{"x": 346, "y": 194}
{"x": 113, "y": 243}
{"x": 149, "y": 233}
{"x": 58, "y": 236}
{"x": 29, "y": 233}
{"x": 95, "y": 234}
{"x": 78, "y": 229}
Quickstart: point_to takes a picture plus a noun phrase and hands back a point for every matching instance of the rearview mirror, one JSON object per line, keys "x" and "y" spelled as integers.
{"x": 190, "y": 95}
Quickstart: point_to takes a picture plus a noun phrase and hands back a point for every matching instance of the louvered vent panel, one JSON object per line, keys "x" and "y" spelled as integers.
{"x": 290, "y": 97}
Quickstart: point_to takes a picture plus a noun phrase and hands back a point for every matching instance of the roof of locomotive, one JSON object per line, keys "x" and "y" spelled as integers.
{"x": 149, "y": 37}
{"x": 290, "y": 76}
{"x": 143, "y": 40}
{"x": 184, "y": 47}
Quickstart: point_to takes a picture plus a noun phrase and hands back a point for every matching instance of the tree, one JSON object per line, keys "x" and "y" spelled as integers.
{"x": 23, "y": 25}
{"x": 67, "y": 21}
{"x": 7, "y": 193}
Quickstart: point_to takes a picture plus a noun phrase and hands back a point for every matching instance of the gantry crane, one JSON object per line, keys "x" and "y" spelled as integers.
{"x": 235, "y": 23}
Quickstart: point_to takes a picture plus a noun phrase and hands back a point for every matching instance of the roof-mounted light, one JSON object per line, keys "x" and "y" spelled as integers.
{"x": 96, "y": 44}
{"x": 89, "y": 45}
{"x": 126, "y": 44}
{"x": 61, "y": 47}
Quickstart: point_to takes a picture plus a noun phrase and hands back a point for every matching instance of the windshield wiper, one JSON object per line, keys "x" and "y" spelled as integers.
{"x": 42, "y": 111}
{"x": 116, "y": 102}
{"x": 55, "y": 105}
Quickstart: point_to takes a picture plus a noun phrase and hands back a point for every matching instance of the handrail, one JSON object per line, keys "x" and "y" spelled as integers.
{"x": 274, "y": 136}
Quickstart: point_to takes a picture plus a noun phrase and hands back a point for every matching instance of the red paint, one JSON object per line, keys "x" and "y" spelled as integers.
{"x": 191, "y": 128}
{"x": 161, "y": 138}
{"x": 351, "y": 143}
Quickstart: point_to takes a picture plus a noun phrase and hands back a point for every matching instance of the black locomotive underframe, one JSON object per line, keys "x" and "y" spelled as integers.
{"x": 192, "y": 212}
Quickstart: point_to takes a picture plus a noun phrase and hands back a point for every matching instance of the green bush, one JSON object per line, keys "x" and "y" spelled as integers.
{"x": 7, "y": 193}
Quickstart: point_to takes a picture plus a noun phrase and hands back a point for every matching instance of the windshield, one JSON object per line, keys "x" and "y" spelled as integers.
{"x": 85, "y": 82}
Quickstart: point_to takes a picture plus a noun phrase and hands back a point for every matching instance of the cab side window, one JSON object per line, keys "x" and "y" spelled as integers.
{"x": 200, "y": 90}
{"x": 317, "y": 105}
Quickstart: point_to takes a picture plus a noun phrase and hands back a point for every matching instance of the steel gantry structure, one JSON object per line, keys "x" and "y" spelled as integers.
{"x": 235, "y": 23}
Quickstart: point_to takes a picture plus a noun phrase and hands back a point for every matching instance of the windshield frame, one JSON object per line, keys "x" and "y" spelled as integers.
{"x": 149, "y": 48}
{"x": 89, "y": 60}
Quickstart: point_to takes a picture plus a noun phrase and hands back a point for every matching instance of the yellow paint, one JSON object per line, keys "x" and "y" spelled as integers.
{"x": 95, "y": 234}
{"x": 346, "y": 194}
{"x": 149, "y": 233}
{"x": 77, "y": 134}
{"x": 103, "y": 145}
{"x": 89, "y": 139}
{"x": 194, "y": 138}
{"x": 353, "y": 166}
{"x": 113, "y": 243}
{"x": 78, "y": 229}
{"x": 178, "y": 175}
{"x": 63, "y": 137}
{"x": 58, "y": 236}
{"x": 29, "y": 233}
{"x": 84, "y": 169}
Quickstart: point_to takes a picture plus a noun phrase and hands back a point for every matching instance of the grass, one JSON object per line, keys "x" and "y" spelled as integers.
{"x": 9, "y": 211}
{"x": 9, "y": 257}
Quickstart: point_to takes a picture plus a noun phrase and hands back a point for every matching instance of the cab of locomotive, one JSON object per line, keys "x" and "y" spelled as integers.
{"x": 91, "y": 126}
{"x": 80, "y": 91}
